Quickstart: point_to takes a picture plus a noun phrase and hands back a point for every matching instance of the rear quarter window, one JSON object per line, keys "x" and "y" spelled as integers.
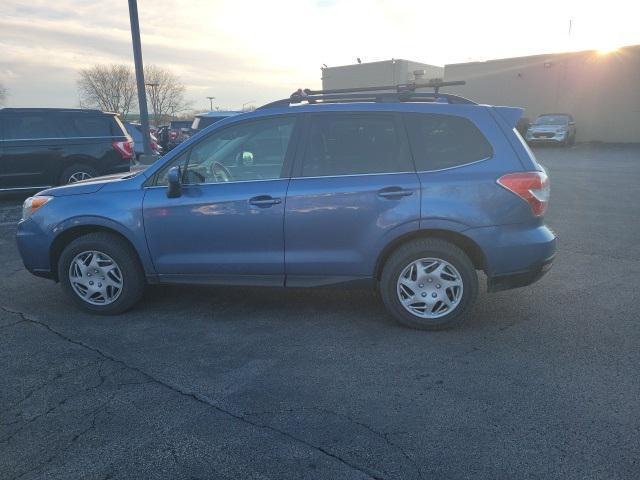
{"x": 445, "y": 141}
{"x": 88, "y": 126}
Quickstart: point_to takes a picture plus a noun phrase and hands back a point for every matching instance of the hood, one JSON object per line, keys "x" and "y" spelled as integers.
{"x": 87, "y": 186}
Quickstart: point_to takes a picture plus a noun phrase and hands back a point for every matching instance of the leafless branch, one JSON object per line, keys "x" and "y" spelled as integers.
{"x": 107, "y": 87}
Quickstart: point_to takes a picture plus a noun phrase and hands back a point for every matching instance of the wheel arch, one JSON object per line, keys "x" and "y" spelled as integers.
{"x": 463, "y": 242}
{"x": 70, "y": 234}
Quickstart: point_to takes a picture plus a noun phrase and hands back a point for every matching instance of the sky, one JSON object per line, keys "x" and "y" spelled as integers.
{"x": 257, "y": 51}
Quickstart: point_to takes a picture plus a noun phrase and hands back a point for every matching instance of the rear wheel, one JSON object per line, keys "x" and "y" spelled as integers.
{"x": 76, "y": 173}
{"x": 429, "y": 284}
{"x": 101, "y": 273}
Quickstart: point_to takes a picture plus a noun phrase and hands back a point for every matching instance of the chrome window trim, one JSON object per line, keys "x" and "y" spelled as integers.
{"x": 221, "y": 183}
{"x": 42, "y": 187}
{"x": 456, "y": 166}
{"x": 284, "y": 178}
{"x": 355, "y": 175}
{"x": 57, "y": 138}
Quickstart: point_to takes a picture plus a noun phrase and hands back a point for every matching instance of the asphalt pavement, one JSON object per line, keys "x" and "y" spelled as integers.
{"x": 249, "y": 383}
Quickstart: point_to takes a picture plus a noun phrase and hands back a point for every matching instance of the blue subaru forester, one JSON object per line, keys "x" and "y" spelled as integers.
{"x": 409, "y": 192}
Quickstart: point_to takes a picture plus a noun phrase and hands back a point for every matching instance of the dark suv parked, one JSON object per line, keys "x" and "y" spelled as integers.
{"x": 42, "y": 147}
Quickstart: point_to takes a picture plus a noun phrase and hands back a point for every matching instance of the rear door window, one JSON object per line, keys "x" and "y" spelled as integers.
{"x": 353, "y": 144}
{"x": 32, "y": 126}
{"x": 445, "y": 141}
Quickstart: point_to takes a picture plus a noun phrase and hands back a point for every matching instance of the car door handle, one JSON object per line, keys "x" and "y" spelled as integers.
{"x": 394, "y": 192}
{"x": 264, "y": 201}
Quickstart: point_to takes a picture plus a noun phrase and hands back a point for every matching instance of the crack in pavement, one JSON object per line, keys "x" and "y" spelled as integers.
{"x": 195, "y": 396}
{"x": 92, "y": 426}
{"x": 12, "y": 324}
{"x": 382, "y": 435}
{"x": 42, "y": 385}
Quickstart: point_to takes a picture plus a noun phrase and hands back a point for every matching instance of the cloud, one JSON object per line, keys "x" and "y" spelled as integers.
{"x": 240, "y": 50}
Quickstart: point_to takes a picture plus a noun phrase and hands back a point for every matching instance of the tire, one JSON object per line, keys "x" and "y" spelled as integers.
{"x": 77, "y": 172}
{"x": 104, "y": 247}
{"x": 461, "y": 295}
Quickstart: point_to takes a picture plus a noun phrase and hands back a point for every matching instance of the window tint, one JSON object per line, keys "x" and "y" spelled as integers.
{"x": 249, "y": 151}
{"x": 32, "y": 126}
{"x": 354, "y": 144}
{"x": 87, "y": 126}
{"x": 445, "y": 141}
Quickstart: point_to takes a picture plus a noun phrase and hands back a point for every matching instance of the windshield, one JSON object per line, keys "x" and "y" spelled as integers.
{"x": 552, "y": 120}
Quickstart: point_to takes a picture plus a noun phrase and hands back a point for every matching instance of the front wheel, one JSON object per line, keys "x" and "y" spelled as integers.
{"x": 101, "y": 273}
{"x": 429, "y": 284}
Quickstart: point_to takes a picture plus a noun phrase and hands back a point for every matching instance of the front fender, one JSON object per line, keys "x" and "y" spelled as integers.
{"x": 136, "y": 238}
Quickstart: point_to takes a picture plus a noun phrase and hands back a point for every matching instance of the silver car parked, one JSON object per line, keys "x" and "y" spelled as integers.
{"x": 559, "y": 128}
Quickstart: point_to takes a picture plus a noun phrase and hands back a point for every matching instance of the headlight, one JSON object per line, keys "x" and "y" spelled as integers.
{"x": 32, "y": 204}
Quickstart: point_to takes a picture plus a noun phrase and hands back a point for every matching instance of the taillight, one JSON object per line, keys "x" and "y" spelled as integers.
{"x": 532, "y": 187}
{"x": 124, "y": 149}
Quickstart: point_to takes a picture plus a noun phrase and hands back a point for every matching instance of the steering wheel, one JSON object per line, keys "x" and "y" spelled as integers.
{"x": 220, "y": 172}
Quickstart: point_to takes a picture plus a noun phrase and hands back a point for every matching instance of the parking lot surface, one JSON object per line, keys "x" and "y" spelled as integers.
{"x": 245, "y": 383}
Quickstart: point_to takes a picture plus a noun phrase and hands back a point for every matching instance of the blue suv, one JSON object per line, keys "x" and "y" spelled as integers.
{"x": 410, "y": 193}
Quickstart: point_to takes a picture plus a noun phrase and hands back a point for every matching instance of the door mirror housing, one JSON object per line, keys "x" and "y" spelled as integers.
{"x": 174, "y": 178}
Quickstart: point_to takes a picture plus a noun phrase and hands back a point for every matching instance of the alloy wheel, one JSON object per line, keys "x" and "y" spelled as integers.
{"x": 430, "y": 288}
{"x": 95, "y": 277}
{"x": 77, "y": 176}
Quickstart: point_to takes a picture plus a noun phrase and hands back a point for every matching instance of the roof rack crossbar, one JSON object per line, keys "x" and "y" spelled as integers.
{"x": 385, "y": 93}
{"x": 405, "y": 87}
{"x": 380, "y": 97}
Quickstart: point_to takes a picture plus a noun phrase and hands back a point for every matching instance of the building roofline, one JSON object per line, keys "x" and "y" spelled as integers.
{"x": 382, "y": 61}
{"x": 538, "y": 55}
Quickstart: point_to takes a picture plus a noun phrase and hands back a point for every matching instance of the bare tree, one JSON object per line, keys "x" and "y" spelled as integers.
{"x": 166, "y": 93}
{"x": 3, "y": 94}
{"x": 108, "y": 87}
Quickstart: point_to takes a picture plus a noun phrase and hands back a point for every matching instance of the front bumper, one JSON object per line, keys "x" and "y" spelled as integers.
{"x": 555, "y": 138}
{"x": 34, "y": 246}
{"x": 519, "y": 279}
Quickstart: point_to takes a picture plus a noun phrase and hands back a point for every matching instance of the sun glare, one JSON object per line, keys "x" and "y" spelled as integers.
{"x": 607, "y": 49}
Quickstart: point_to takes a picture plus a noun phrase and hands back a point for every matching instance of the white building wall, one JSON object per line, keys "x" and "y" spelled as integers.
{"x": 387, "y": 72}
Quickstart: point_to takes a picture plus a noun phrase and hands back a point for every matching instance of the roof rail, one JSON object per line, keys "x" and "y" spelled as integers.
{"x": 384, "y": 94}
{"x": 50, "y": 109}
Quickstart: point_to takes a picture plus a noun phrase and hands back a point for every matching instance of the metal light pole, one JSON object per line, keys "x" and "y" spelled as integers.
{"x": 211, "y": 103}
{"x": 137, "y": 57}
{"x": 154, "y": 100}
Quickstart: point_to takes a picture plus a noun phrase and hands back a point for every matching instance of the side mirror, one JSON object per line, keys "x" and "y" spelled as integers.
{"x": 572, "y": 123}
{"x": 175, "y": 184}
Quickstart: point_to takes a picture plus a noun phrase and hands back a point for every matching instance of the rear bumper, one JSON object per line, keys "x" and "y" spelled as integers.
{"x": 519, "y": 279}
{"x": 515, "y": 255}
